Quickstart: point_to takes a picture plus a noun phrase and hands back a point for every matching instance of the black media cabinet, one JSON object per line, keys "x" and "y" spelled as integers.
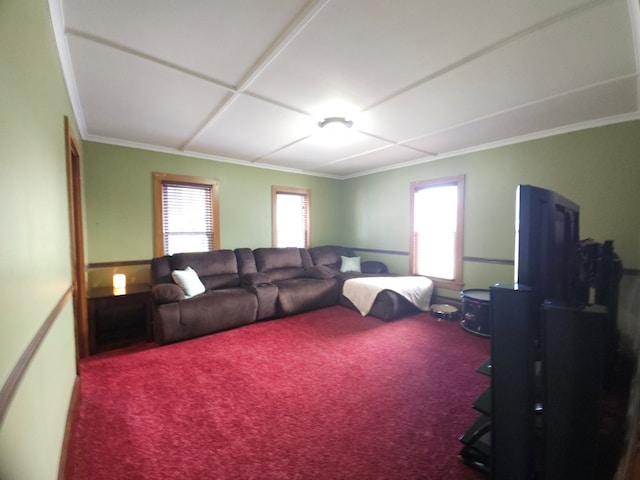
{"x": 540, "y": 418}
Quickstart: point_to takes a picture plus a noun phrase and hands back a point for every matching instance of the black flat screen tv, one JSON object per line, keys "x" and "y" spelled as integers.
{"x": 547, "y": 236}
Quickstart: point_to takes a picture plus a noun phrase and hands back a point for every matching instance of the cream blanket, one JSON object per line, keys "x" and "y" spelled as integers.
{"x": 362, "y": 292}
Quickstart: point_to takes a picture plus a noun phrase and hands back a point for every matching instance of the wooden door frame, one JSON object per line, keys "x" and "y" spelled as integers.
{"x": 74, "y": 188}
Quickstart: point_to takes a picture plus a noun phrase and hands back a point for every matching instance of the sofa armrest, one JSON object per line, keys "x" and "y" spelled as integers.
{"x": 167, "y": 293}
{"x": 256, "y": 279}
{"x": 372, "y": 266}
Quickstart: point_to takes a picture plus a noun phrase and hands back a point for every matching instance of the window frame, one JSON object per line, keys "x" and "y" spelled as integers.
{"x": 159, "y": 179}
{"x": 459, "y": 181}
{"x": 305, "y": 192}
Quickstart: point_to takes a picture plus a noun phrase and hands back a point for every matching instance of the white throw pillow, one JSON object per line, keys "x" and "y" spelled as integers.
{"x": 350, "y": 264}
{"x": 189, "y": 281}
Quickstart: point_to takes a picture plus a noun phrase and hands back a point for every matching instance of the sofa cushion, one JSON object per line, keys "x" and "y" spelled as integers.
{"x": 246, "y": 261}
{"x": 189, "y": 281}
{"x": 329, "y": 255}
{"x": 273, "y": 258}
{"x": 210, "y": 312}
{"x": 281, "y": 263}
{"x": 350, "y": 264}
{"x": 320, "y": 271}
{"x": 373, "y": 267}
{"x": 297, "y": 295}
{"x": 216, "y": 269}
{"x": 215, "y": 282}
{"x": 279, "y": 274}
{"x": 215, "y": 262}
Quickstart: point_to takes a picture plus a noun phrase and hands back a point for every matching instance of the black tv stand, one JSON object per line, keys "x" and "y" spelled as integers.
{"x": 539, "y": 419}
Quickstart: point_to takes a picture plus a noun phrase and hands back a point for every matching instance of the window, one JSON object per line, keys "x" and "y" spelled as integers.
{"x": 437, "y": 230}
{"x": 186, "y": 214}
{"x": 290, "y": 217}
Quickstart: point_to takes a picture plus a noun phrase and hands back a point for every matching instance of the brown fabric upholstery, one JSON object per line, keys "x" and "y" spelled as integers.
{"x": 373, "y": 267}
{"x": 279, "y": 263}
{"x": 291, "y": 270}
{"x": 216, "y": 262}
{"x": 320, "y": 271}
{"x": 245, "y": 285}
{"x": 161, "y": 270}
{"x": 267, "y": 300}
{"x": 246, "y": 261}
{"x": 330, "y": 255}
{"x": 274, "y": 258}
{"x": 216, "y": 269}
{"x": 210, "y": 312}
{"x": 388, "y": 306}
{"x": 167, "y": 293}
{"x": 255, "y": 279}
{"x": 305, "y": 294}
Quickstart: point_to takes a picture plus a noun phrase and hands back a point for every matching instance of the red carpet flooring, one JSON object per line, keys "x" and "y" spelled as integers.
{"x": 323, "y": 395}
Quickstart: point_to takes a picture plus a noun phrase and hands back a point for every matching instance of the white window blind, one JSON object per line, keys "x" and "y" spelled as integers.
{"x": 291, "y": 219}
{"x": 187, "y": 219}
{"x": 435, "y": 231}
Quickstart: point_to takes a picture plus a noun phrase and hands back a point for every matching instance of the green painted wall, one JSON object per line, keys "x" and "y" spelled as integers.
{"x": 119, "y": 202}
{"x": 35, "y": 253}
{"x": 597, "y": 168}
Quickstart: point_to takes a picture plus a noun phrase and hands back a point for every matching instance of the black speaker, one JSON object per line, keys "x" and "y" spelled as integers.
{"x": 514, "y": 330}
{"x": 574, "y": 346}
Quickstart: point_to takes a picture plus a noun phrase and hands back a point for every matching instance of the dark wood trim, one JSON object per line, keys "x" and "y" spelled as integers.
{"x": 447, "y": 284}
{"x": 631, "y": 272}
{"x": 375, "y": 250}
{"x": 498, "y": 261}
{"x": 158, "y": 181}
{"x": 76, "y": 233}
{"x": 125, "y": 263}
{"x": 303, "y": 192}
{"x": 456, "y": 302}
{"x": 15, "y": 377}
{"x": 494, "y": 261}
{"x": 72, "y": 414}
{"x": 459, "y": 182}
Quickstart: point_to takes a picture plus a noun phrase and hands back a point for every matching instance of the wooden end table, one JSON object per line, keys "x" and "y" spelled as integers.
{"x": 119, "y": 318}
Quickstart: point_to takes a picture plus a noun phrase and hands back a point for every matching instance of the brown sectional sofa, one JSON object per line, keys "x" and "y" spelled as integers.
{"x": 225, "y": 304}
{"x": 244, "y": 285}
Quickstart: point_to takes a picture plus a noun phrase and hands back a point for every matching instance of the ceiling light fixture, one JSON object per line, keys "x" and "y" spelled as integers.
{"x": 337, "y": 121}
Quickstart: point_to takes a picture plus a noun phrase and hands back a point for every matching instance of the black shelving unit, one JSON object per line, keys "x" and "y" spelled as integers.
{"x": 539, "y": 419}
{"x": 477, "y": 439}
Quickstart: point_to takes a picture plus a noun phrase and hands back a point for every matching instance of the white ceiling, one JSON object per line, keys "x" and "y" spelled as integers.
{"x": 247, "y": 80}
